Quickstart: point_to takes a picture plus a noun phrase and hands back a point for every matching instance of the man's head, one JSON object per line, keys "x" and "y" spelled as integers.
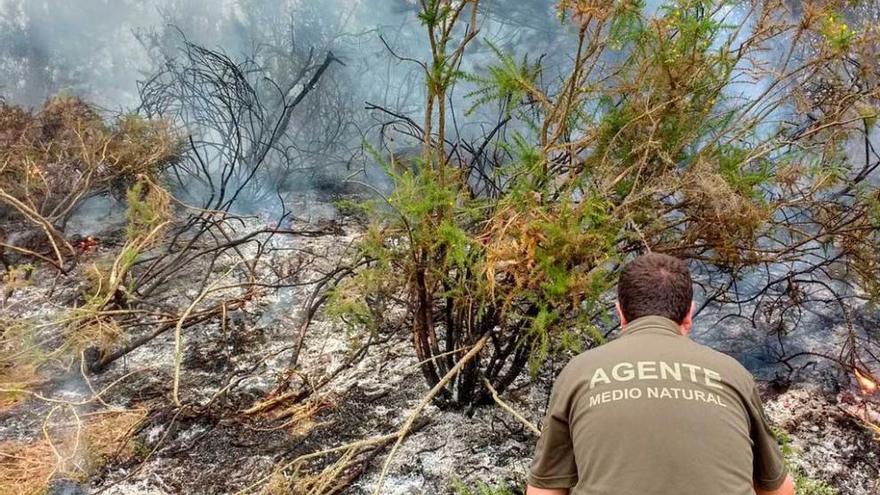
{"x": 656, "y": 284}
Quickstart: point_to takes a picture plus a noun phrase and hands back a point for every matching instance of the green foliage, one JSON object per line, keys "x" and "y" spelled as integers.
{"x": 627, "y": 24}
{"x": 351, "y": 208}
{"x": 804, "y": 485}
{"x": 480, "y": 488}
{"x": 20, "y": 359}
{"x": 417, "y": 196}
{"x": 109, "y": 282}
{"x": 147, "y": 209}
{"x": 784, "y": 441}
{"x": 836, "y": 32}
{"x": 525, "y": 170}
{"x": 540, "y": 330}
{"x": 17, "y": 276}
{"x": 508, "y": 82}
{"x": 868, "y": 113}
{"x": 744, "y": 177}
{"x": 434, "y": 12}
{"x": 346, "y": 303}
{"x": 455, "y": 244}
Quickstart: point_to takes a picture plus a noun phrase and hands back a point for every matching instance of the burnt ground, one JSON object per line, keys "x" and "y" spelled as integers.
{"x": 827, "y": 439}
{"x": 212, "y": 446}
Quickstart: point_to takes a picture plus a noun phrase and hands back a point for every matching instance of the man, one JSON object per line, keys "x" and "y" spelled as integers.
{"x": 653, "y": 413}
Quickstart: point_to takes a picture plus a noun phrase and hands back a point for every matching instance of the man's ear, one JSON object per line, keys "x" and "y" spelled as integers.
{"x": 623, "y": 321}
{"x": 688, "y": 321}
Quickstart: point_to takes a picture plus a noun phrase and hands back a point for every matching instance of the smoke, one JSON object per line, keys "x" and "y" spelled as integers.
{"x": 85, "y": 47}
{"x": 96, "y": 48}
{"x": 107, "y": 50}
{"x": 92, "y": 47}
{"x": 104, "y": 50}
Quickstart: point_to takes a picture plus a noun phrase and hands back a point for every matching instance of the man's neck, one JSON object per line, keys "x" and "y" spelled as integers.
{"x": 654, "y": 322}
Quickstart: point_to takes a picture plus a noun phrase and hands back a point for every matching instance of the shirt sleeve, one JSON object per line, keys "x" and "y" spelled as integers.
{"x": 769, "y": 466}
{"x": 554, "y": 465}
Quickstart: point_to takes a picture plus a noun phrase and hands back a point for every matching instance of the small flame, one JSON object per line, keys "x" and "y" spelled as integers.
{"x": 868, "y": 386}
{"x": 88, "y": 244}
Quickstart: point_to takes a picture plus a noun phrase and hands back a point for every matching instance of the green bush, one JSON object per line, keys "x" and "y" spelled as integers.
{"x": 645, "y": 143}
{"x": 480, "y": 488}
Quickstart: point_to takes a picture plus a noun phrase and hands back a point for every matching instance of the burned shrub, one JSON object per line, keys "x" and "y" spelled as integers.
{"x": 246, "y": 136}
{"x": 721, "y": 217}
{"x": 53, "y": 159}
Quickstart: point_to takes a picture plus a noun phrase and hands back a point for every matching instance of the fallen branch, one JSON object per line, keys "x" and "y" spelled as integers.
{"x": 351, "y": 449}
{"x": 297, "y": 395}
{"x": 404, "y": 430}
{"x": 360, "y": 444}
{"x": 519, "y": 417}
{"x": 193, "y": 319}
{"x": 52, "y": 234}
{"x": 178, "y": 338}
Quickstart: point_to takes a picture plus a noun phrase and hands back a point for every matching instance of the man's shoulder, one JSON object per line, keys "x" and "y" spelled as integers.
{"x": 611, "y": 352}
{"x": 583, "y": 364}
{"x": 580, "y": 365}
{"x": 592, "y": 356}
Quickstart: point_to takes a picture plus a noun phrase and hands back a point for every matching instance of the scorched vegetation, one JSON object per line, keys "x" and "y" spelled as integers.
{"x": 210, "y": 334}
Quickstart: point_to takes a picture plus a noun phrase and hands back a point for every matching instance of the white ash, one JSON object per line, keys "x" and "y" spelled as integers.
{"x": 487, "y": 445}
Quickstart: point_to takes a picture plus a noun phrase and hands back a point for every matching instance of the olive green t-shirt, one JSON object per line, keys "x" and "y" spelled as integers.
{"x": 654, "y": 413}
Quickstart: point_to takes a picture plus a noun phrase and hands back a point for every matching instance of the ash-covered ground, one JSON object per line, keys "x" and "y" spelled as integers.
{"x": 347, "y": 386}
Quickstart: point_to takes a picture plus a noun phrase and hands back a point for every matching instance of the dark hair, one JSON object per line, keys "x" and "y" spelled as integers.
{"x": 655, "y": 284}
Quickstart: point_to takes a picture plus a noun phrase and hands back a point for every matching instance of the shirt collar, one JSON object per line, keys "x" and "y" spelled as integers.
{"x": 652, "y": 324}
